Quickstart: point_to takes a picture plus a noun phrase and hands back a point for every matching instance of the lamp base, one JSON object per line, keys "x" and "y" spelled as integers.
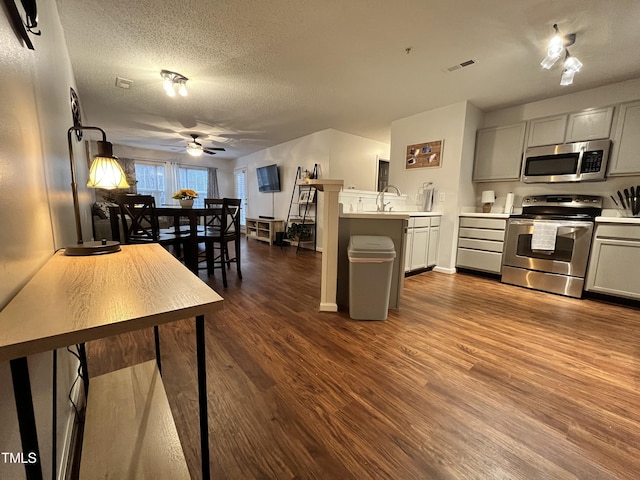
{"x": 92, "y": 248}
{"x": 486, "y": 207}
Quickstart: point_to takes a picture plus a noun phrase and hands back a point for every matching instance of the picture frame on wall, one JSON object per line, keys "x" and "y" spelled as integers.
{"x": 424, "y": 155}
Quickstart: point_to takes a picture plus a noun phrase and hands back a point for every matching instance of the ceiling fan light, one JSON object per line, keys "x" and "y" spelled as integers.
{"x": 194, "y": 149}
{"x": 182, "y": 89}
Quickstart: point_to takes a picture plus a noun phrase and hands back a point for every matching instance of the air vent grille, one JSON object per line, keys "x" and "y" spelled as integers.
{"x": 461, "y": 65}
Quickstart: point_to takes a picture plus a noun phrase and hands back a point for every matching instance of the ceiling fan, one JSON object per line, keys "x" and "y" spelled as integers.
{"x": 196, "y": 149}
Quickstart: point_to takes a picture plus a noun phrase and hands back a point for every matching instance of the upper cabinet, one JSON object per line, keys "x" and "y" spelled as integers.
{"x": 547, "y": 131}
{"x": 498, "y": 153}
{"x": 626, "y": 141}
{"x": 593, "y": 124}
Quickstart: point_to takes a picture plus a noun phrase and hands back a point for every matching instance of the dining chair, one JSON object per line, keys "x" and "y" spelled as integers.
{"x": 140, "y": 223}
{"x": 221, "y": 228}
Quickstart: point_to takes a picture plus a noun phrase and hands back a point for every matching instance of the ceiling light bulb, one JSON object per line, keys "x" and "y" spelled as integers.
{"x": 167, "y": 84}
{"x": 194, "y": 149}
{"x": 182, "y": 89}
{"x": 556, "y": 45}
{"x": 549, "y": 62}
{"x": 572, "y": 64}
{"x": 567, "y": 77}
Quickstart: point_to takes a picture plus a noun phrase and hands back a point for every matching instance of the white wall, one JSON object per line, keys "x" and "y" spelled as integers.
{"x": 455, "y": 125}
{"x": 339, "y": 155}
{"x": 35, "y": 204}
{"x": 593, "y": 98}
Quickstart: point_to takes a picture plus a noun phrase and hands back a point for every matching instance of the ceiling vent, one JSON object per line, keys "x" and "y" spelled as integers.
{"x": 459, "y": 66}
{"x": 123, "y": 83}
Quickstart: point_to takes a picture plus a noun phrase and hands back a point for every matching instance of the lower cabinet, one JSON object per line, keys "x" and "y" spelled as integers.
{"x": 480, "y": 243}
{"x": 422, "y": 239}
{"x": 615, "y": 261}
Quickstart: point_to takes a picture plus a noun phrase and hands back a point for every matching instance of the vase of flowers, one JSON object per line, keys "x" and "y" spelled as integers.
{"x": 185, "y": 197}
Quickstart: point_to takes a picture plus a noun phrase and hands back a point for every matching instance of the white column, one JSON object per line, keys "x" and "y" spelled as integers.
{"x": 329, "y": 280}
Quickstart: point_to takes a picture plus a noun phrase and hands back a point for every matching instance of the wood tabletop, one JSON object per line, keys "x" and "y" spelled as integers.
{"x": 77, "y": 299}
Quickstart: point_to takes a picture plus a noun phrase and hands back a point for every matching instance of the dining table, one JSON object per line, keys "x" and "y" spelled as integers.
{"x": 177, "y": 213}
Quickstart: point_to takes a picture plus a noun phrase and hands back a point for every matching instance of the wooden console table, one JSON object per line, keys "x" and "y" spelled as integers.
{"x": 73, "y": 300}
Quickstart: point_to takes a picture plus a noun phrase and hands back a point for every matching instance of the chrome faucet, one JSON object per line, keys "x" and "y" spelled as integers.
{"x": 380, "y": 205}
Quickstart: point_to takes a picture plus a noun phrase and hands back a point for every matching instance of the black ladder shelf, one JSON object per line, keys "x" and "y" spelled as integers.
{"x": 304, "y": 219}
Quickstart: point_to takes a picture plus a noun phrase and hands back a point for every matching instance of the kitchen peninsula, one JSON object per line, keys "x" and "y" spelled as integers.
{"x": 389, "y": 224}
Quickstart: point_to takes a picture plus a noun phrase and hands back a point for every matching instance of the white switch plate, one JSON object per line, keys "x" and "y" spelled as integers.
{"x": 441, "y": 197}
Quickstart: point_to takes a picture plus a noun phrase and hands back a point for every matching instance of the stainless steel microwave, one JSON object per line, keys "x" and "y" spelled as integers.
{"x": 568, "y": 162}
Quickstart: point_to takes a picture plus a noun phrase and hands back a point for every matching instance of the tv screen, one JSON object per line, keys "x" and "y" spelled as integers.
{"x": 268, "y": 178}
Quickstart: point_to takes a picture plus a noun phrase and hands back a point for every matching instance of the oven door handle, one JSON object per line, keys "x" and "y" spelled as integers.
{"x": 561, "y": 223}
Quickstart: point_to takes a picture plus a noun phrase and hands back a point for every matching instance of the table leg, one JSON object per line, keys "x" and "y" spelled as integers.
{"x": 82, "y": 353}
{"x": 202, "y": 397}
{"x": 26, "y": 417}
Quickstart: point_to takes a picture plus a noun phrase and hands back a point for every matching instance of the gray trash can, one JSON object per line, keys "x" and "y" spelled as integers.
{"x": 370, "y": 270}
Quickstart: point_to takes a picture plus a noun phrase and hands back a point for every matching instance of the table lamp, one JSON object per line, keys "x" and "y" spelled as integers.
{"x": 487, "y": 200}
{"x": 105, "y": 172}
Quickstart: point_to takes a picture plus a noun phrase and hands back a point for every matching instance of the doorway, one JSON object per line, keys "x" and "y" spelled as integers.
{"x": 383, "y": 174}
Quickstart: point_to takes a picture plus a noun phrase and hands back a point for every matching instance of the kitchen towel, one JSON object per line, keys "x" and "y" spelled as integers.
{"x": 544, "y": 236}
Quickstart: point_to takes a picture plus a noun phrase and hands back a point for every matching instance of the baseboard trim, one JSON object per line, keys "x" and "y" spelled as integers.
{"x": 448, "y": 271}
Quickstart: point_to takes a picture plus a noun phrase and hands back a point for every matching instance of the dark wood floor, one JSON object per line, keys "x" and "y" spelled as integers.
{"x": 471, "y": 379}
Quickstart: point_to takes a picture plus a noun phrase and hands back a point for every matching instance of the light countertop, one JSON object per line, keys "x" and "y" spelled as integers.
{"x": 484, "y": 215}
{"x": 628, "y": 220}
{"x": 399, "y": 215}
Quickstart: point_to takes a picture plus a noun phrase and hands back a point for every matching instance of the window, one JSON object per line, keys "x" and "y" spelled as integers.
{"x": 241, "y": 192}
{"x": 163, "y": 179}
{"x": 150, "y": 178}
{"x": 196, "y": 179}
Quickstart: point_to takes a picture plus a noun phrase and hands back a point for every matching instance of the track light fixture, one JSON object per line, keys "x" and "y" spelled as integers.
{"x": 556, "y": 47}
{"x": 174, "y": 82}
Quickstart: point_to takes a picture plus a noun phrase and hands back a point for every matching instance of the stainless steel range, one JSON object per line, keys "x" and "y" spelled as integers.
{"x": 547, "y": 246}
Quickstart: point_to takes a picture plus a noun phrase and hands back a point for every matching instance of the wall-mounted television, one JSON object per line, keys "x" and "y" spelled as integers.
{"x": 268, "y": 178}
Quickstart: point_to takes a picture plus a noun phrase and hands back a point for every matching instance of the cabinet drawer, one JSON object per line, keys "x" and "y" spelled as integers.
{"x": 479, "y": 260}
{"x": 475, "y": 244}
{"x": 478, "y": 222}
{"x": 628, "y": 232}
{"x": 435, "y": 221}
{"x": 421, "y": 221}
{"x": 482, "y": 234}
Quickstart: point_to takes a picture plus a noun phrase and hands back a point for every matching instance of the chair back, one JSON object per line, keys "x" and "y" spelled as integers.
{"x": 139, "y": 219}
{"x": 216, "y": 205}
{"x": 231, "y": 214}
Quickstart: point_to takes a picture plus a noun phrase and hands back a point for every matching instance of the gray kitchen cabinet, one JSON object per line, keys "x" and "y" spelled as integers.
{"x": 592, "y": 124}
{"x": 480, "y": 243}
{"x": 498, "y": 154}
{"x": 422, "y": 238}
{"x": 626, "y": 141}
{"x": 615, "y": 261}
{"x": 547, "y": 131}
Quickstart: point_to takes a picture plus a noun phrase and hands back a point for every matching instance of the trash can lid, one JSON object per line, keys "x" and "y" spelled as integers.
{"x": 371, "y": 246}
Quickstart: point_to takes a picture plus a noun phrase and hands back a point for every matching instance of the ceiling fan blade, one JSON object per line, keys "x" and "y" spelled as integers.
{"x": 217, "y": 149}
{"x": 206, "y": 150}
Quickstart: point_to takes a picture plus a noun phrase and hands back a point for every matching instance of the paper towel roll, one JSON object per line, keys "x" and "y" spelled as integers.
{"x": 508, "y": 204}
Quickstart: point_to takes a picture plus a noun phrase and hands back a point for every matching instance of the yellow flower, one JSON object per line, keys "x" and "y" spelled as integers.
{"x": 185, "y": 194}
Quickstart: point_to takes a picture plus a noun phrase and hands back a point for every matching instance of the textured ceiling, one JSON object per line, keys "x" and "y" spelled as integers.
{"x": 261, "y": 73}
